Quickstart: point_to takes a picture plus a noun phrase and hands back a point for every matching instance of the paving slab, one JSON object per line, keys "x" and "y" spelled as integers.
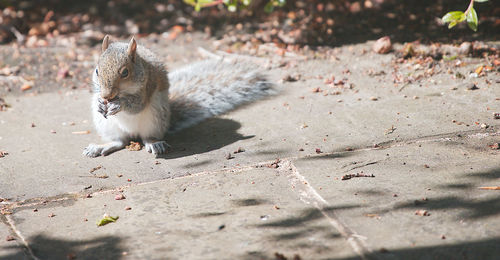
{"x": 45, "y": 156}
{"x": 9, "y": 249}
{"x": 250, "y": 214}
{"x": 438, "y": 178}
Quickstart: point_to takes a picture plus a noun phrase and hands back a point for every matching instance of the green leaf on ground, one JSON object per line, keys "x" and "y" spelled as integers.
{"x": 106, "y": 219}
{"x": 449, "y": 58}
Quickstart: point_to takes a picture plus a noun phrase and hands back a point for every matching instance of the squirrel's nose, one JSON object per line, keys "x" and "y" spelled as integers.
{"x": 107, "y": 95}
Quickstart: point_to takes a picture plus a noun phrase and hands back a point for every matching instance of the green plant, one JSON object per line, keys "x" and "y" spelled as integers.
{"x": 233, "y": 5}
{"x": 455, "y": 17}
{"x": 272, "y": 4}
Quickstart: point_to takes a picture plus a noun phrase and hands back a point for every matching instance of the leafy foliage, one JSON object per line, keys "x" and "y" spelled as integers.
{"x": 455, "y": 17}
{"x": 233, "y": 5}
{"x": 272, "y": 4}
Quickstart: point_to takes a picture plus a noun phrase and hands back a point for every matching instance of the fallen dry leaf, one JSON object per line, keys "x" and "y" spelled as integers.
{"x": 372, "y": 215}
{"x": 422, "y": 212}
{"x": 495, "y": 146}
{"x": 3, "y": 105}
{"x": 26, "y": 87}
{"x": 119, "y": 197}
{"x": 95, "y": 169}
{"x": 479, "y": 70}
{"x": 3, "y": 154}
{"x": 62, "y": 73}
{"x": 240, "y": 150}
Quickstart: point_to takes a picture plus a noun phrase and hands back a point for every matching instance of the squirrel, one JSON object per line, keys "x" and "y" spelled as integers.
{"x": 135, "y": 98}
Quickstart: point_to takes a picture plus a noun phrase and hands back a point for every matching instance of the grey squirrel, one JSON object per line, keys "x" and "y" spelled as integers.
{"x": 136, "y": 98}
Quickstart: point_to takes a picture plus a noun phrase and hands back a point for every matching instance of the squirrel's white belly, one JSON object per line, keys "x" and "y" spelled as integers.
{"x": 141, "y": 125}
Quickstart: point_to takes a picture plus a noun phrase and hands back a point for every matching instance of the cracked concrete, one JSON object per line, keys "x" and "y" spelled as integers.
{"x": 426, "y": 153}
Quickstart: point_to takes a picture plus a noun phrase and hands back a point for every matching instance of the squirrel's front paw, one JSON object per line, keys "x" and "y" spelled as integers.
{"x": 160, "y": 147}
{"x": 93, "y": 150}
{"x": 108, "y": 108}
{"x": 113, "y": 107}
{"x": 102, "y": 107}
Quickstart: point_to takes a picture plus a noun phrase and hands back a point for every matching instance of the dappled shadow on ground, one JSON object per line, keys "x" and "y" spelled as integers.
{"x": 209, "y": 135}
{"x": 304, "y": 216}
{"x": 474, "y": 208}
{"x": 471, "y": 208}
{"x": 305, "y": 230}
{"x": 302, "y": 227}
{"x": 44, "y": 247}
{"x": 488, "y": 249}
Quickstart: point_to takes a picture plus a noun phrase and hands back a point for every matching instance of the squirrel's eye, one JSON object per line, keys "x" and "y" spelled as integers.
{"x": 124, "y": 73}
{"x": 96, "y": 72}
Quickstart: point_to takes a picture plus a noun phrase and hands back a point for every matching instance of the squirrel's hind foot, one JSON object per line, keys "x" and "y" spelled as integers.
{"x": 95, "y": 150}
{"x": 156, "y": 148}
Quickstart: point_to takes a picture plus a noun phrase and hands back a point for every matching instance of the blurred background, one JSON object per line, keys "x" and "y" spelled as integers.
{"x": 290, "y": 22}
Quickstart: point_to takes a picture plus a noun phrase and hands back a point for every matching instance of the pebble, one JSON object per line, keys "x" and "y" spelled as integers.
{"x": 382, "y": 45}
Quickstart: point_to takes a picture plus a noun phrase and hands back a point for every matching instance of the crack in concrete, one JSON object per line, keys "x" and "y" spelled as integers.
{"x": 478, "y": 133}
{"x": 310, "y": 196}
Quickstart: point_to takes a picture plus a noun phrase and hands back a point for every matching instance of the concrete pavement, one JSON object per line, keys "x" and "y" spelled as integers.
{"x": 423, "y": 143}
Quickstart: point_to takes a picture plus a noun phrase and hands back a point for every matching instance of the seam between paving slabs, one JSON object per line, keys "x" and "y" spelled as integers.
{"x": 380, "y": 146}
{"x": 306, "y": 192}
{"x": 75, "y": 195}
{"x": 7, "y": 220}
{"x": 310, "y": 196}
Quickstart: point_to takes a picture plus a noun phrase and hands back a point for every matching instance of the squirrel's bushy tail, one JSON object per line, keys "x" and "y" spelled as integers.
{"x": 213, "y": 87}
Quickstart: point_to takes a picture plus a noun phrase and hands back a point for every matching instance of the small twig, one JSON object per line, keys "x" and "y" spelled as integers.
{"x": 390, "y": 130}
{"x": 404, "y": 86}
{"x": 350, "y": 176}
{"x": 490, "y": 188}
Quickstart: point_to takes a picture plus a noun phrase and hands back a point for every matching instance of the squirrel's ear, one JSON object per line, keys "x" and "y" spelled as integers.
{"x": 132, "y": 46}
{"x": 105, "y": 43}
